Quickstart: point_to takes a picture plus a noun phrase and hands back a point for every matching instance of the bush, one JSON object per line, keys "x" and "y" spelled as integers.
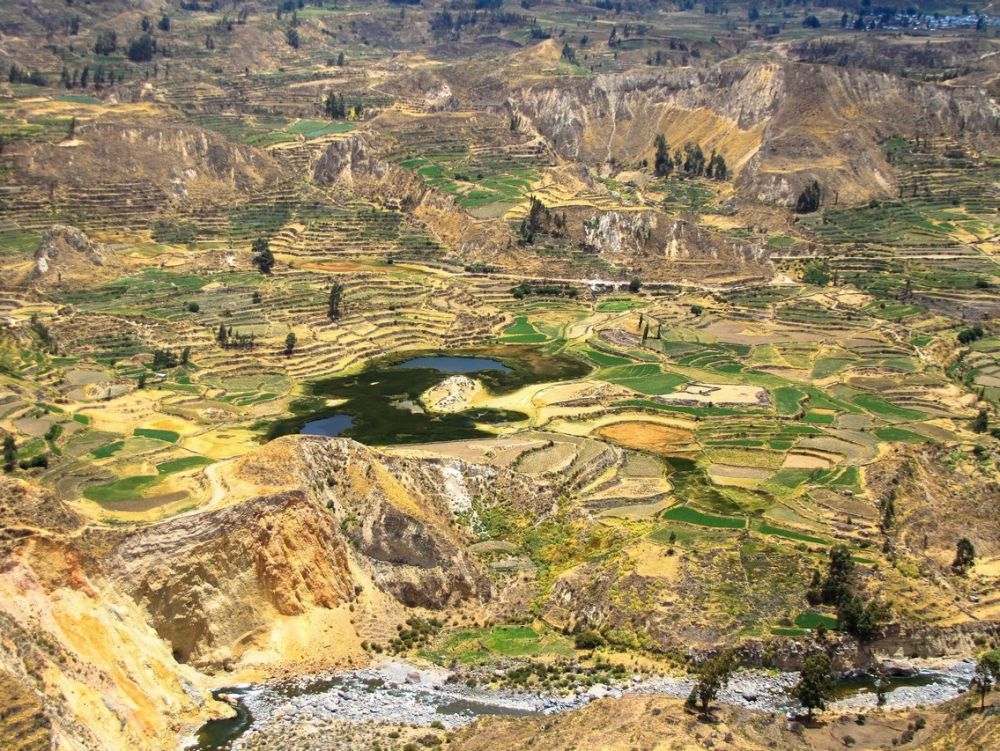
{"x": 588, "y": 640}
{"x": 193, "y": 307}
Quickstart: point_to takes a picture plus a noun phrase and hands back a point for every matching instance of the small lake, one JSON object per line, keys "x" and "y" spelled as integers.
{"x": 381, "y": 404}
{"x": 329, "y": 426}
{"x": 453, "y": 364}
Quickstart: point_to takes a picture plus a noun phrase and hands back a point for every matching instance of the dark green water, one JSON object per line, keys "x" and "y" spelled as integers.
{"x": 217, "y": 734}
{"x": 382, "y": 400}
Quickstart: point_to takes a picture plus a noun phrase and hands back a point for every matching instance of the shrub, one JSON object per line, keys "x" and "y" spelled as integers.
{"x": 588, "y": 640}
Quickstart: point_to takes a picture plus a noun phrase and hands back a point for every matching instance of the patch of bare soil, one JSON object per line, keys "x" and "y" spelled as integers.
{"x": 647, "y": 436}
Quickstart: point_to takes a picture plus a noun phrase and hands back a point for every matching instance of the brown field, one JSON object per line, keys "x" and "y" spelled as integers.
{"x": 646, "y": 436}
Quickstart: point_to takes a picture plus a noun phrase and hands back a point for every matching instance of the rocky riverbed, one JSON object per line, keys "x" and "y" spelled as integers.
{"x": 396, "y": 701}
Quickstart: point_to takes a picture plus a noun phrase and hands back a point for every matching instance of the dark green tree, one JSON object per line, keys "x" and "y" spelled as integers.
{"x": 663, "y": 165}
{"x": 9, "y": 453}
{"x": 290, "y": 343}
{"x": 838, "y": 585}
{"x": 262, "y": 258}
{"x": 141, "y": 50}
{"x": 965, "y": 557}
{"x": 986, "y": 676}
{"x": 164, "y": 24}
{"x": 336, "y": 296}
{"x": 815, "y": 684}
{"x": 713, "y": 675}
{"x": 982, "y": 421}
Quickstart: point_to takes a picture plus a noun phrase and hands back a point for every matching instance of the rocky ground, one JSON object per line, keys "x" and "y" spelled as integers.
{"x": 398, "y": 701}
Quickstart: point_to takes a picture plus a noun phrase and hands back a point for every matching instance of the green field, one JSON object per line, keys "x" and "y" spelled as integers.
{"x": 693, "y": 516}
{"x": 169, "y": 436}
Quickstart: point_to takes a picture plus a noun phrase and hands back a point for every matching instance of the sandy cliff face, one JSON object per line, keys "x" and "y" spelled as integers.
{"x": 206, "y": 580}
{"x": 777, "y": 125}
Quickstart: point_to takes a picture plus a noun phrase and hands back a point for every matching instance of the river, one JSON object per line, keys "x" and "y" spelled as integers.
{"x": 397, "y": 692}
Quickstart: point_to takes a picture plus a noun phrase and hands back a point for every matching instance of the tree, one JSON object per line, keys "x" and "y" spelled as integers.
{"x": 340, "y": 60}
{"x": 837, "y": 587}
{"x": 164, "y": 24}
{"x": 965, "y": 557}
{"x": 336, "y": 295}
{"x": 982, "y": 422}
{"x": 222, "y": 336}
{"x": 697, "y": 310}
{"x": 193, "y": 307}
{"x": 809, "y": 198}
{"x": 815, "y": 684}
{"x": 185, "y": 356}
{"x": 106, "y": 44}
{"x": 811, "y": 22}
{"x": 292, "y": 37}
{"x": 289, "y": 343}
{"x": 9, "y": 453}
{"x": 713, "y": 675}
{"x": 141, "y": 50}
{"x": 635, "y": 285}
{"x": 142, "y": 381}
{"x": 263, "y": 258}
{"x": 986, "y": 676}
{"x": 663, "y": 165}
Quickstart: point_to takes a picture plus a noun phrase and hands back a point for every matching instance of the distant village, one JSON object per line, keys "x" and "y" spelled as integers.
{"x": 886, "y": 20}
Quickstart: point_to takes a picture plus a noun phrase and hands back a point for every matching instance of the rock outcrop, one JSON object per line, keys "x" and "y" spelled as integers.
{"x": 66, "y": 255}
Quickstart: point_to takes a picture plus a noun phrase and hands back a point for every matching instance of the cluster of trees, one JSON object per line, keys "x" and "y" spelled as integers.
{"x": 262, "y": 256}
{"x": 83, "y": 79}
{"x": 335, "y": 108}
{"x": 524, "y": 289}
{"x": 858, "y": 618}
{"x": 141, "y": 50}
{"x": 815, "y": 686}
{"x": 10, "y": 461}
{"x": 164, "y": 359}
{"x": 691, "y": 161}
{"x": 17, "y": 74}
{"x": 229, "y": 339}
{"x": 541, "y": 219}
